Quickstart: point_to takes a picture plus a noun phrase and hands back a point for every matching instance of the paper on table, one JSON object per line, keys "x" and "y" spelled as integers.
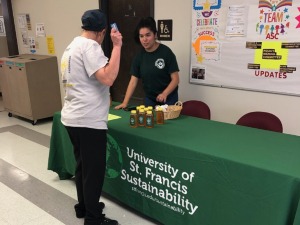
{"x": 113, "y": 117}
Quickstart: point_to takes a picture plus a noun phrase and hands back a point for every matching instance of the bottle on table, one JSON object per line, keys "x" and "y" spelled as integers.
{"x": 150, "y": 108}
{"x": 142, "y": 107}
{"x": 133, "y": 119}
{"x": 160, "y": 119}
{"x": 149, "y": 119}
{"x": 141, "y": 118}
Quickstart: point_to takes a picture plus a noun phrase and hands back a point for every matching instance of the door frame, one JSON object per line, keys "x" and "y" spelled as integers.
{"x": 103, "y": 5}
{"x": 11, "y": 36}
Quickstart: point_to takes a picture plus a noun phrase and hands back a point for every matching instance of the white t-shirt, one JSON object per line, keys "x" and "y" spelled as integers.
{"x": 86, "y": 99}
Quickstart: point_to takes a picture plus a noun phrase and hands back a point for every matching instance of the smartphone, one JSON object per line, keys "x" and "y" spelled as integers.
{"x": 114, "y": 25}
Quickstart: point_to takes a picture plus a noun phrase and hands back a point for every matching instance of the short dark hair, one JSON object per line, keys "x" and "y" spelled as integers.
{"x": 149, "y": 23}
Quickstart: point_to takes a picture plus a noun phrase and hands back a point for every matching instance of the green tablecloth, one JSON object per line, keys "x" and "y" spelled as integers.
{"x": 195, "y": 171}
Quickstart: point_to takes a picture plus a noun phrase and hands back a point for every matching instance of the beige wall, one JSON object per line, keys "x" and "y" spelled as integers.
{"x": 227, "y": 105}
{"x": 62, "y": 20}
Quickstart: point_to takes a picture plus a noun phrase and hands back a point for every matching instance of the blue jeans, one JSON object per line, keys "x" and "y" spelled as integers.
{"x": 171, "y": 100}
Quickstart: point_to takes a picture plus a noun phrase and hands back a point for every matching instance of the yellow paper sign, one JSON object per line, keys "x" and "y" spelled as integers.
{"x": 50, "y": 44}
{"x": 113, "y": 117}
{"x": 271, "y": 55}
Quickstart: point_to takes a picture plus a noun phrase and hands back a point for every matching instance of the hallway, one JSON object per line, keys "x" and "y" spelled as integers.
{"x": 32, "y": 195}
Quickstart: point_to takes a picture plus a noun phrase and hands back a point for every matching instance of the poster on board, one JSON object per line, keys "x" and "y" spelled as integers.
{"x": 251, "y": 46}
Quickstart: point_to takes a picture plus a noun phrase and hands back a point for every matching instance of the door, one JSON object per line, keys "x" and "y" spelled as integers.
{"x": 127, "y": 14}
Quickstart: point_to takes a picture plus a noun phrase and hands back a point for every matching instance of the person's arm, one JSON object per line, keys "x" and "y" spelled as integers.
{"x": 129, "y": 92}
{"x": 162, "y": 97}
{"x": 108, "y": 74}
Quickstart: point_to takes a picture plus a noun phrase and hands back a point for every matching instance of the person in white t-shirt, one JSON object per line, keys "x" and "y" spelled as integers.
{"x": 87, "y": 75}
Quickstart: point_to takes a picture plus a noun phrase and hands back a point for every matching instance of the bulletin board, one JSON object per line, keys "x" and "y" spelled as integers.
{"x": 251, "y": 45}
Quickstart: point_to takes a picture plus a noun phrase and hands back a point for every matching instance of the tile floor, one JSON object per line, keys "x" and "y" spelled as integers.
{"x": 32, "y": 195}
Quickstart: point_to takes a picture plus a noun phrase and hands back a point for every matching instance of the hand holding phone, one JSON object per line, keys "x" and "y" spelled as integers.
{"x": 116, "y": 36}
{"x": 114, "y": 25}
